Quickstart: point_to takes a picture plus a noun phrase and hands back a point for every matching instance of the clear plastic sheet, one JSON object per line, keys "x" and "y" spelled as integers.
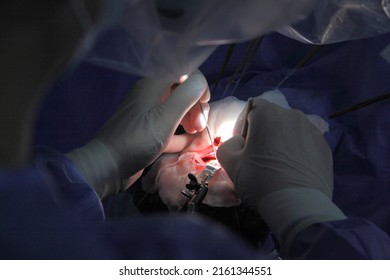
{"x": 155, "y": 38}
{"x": 333, "y": 21}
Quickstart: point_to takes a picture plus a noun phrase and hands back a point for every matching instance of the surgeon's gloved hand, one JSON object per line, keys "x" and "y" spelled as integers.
{"x": 141, "y": 130}
{"x": 283, "y": 169}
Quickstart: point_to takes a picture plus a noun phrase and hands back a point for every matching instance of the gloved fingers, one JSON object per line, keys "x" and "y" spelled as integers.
{"x": 178, "y": 143}
{"x": 241, "y": 120}
{"x": 206, "y": 95}
{"x": 181, "y": 100}
{"x": 229, "y": 152}
{"x": 200, "y": 142}
{"x": 266, "y": 122}
{"x": 195, "y": 121}
{"x": 270, "y": 125}
{"x": 287, "y": 135}
{"x": 196, "y": 118}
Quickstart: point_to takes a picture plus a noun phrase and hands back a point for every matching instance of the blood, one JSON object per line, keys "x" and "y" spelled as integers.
{"x": 206, "y": 159}
{"x": 217, "y": 141}
{"x": 211, "y": 156}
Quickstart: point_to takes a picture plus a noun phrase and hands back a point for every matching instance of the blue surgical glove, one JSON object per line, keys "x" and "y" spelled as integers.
{"x": 283, "y": 169}
{"x": 141, "y": 130}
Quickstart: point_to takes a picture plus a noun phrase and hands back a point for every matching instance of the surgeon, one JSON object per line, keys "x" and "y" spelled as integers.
{"x": 50, "y": 203}
{"x": 283, "y": 169}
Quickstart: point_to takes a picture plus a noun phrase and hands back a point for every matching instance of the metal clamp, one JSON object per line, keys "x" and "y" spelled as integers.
{"x": 196, "y": 191}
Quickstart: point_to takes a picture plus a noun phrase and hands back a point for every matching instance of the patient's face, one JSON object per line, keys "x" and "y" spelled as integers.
{"x": 169, "y": 174}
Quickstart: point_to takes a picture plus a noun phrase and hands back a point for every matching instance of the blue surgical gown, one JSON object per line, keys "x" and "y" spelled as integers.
{"x": 48, "y": 211}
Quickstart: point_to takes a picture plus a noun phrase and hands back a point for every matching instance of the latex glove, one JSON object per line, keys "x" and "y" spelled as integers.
{"x": 141, "y": 130}
{"x": 276, "y": 97}
{"x": 221, "y": 122}
{"x": 283, "y": 169}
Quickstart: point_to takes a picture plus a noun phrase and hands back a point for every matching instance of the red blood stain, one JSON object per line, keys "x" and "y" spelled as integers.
{"x": 217, "y": 141}
{"x": 211, "y": 156}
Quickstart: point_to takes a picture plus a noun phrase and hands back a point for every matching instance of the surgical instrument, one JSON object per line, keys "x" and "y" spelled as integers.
{"x": 196, "y": 190}
{"x": 360, "y": 105}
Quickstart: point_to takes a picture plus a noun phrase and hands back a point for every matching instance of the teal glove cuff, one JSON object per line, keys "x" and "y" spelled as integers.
{"x": 97, "y": 165}
{"x": 288, "y": 211}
